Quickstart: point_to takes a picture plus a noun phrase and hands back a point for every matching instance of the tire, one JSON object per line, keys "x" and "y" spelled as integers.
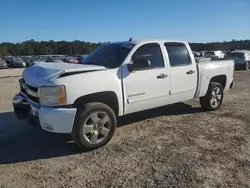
{"x": 88, "y": 129}
{"x": 212, "y": 101}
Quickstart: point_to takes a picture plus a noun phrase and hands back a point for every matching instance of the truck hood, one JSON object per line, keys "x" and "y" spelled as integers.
{"x": 36, "y": 75}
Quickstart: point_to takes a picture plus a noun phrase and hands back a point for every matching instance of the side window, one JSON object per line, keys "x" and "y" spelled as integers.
{"x": 178, "y": 54}
{"x": 151, "y": 52}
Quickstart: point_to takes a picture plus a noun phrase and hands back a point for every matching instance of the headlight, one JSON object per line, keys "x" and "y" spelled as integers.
{"x": 52, "y": 96}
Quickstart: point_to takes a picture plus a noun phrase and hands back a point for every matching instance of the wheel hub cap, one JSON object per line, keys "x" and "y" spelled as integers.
{"x": 96, "y": 127}
{"x": 216, "y": 97}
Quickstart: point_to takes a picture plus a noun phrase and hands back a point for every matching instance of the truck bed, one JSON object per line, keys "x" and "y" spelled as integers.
{"x": 208, "y": 69}
{"x": 205, "y": 60}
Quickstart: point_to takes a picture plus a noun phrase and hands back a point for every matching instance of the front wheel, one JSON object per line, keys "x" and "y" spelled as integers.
{"x": 214, "y": 97}
{"x": 94, "y": 126}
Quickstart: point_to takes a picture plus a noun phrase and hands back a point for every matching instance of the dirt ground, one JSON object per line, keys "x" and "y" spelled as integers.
{"x": 174, "y": 146}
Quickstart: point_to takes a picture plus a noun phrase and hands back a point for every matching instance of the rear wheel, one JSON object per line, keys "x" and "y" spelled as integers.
{"x": 94, "y": 126}
{"x": 214, "y": 97}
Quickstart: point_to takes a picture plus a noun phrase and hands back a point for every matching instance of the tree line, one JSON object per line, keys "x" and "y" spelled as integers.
{"x": 225, "y": 46}
{"x": 32, "y": 47}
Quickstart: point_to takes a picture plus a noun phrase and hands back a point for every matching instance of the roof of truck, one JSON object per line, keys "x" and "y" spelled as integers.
{"x": 150, "y": 41}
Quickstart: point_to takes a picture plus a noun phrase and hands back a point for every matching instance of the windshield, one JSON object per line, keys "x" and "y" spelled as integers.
{"x": 109, "y": 55}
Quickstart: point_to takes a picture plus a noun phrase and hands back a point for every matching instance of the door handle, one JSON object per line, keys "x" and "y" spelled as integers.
{"x": 162, "y": 76}
{"x": 190, "y": 72}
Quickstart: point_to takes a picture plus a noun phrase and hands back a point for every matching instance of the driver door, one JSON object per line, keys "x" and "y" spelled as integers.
{"x": 148, "y": 87}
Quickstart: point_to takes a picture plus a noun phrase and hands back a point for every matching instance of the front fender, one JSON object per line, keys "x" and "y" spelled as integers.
{"x": 83, "y": 84}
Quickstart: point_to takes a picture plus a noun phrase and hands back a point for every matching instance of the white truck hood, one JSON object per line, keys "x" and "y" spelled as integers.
{"x": 36, "y": 75}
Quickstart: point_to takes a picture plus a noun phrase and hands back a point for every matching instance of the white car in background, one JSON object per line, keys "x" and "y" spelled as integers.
{"x": 216, "y": 54}
{"x": 241, "y": 59}
{"x": 34, "y": 61}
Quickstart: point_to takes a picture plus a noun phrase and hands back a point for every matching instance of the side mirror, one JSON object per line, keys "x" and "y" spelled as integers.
{"x": 139, "y": 64}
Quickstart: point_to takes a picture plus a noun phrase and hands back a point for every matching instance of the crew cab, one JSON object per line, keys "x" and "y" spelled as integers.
{"x": 117, "y": 79}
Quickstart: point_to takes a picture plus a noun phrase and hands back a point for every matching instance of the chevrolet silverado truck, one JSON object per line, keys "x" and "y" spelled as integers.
{"x": 117, "y": 79}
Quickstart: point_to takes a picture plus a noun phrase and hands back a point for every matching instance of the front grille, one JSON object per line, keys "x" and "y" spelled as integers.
{"x": 29, "y": 91}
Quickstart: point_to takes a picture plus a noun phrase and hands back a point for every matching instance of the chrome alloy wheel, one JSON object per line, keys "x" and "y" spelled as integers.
{"x": 96, "y": 127}
{"x": 216, "y": 97}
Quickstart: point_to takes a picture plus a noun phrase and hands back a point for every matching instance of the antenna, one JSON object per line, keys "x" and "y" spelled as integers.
{"x": 130, "y": 39}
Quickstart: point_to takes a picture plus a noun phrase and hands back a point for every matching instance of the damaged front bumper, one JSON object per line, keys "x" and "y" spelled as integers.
{"x": 24, "y": 109}
{"x": 52, "y": 119}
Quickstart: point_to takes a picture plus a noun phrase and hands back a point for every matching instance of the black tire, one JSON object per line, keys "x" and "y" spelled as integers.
{"x": 82, "y": 116}
{"x": 205, "y": 101}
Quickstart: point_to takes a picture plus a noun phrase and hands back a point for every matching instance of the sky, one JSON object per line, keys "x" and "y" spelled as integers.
{"x": 118, "y": 20}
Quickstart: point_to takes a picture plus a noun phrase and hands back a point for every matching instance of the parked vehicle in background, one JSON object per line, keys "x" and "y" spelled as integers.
{"x": 70, "y": 59}
{"x": 203, "y": 53}
{"x": 215, "y": 54}
{"x": 17, "y": 62}
{"x": 35, "y": 60}
{"x": 196, "y": 54}
{"x": 53, "y": 59}
{"x": 241, "y": 59}
{"x": 8, "y": 60}
{"x": 117, "y": 79}
{"x": 26, "y": 59}
{"x": 3, "y": 64}
{"x": 79, "y": 58}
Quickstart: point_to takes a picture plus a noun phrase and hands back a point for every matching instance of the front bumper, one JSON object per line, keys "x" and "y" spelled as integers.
{"x": 52, "y": 119}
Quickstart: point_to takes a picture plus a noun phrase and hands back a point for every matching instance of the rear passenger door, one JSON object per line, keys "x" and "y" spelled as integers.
{"x": 183, "y": 81}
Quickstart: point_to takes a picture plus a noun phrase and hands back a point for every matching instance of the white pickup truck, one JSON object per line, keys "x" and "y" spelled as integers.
{"x": 116, "y": 79}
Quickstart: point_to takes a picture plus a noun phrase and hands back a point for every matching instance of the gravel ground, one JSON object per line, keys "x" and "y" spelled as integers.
{"x": 174, "y": 146}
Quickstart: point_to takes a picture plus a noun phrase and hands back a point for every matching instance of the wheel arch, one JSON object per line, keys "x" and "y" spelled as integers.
{"x": 221, "y": 79}
{"x": 107, "y": 97}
